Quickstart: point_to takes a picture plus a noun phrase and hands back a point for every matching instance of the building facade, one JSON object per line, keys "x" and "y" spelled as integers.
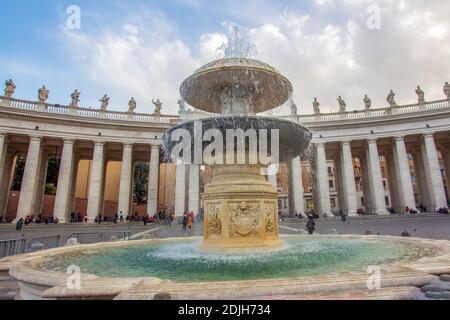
{"x": 372, "y": 161}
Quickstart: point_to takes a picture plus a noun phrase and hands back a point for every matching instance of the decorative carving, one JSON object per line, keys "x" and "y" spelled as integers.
{"x": 244, "y": 219}
{"x": 270, "y": 219}
{"x": 43, "y": 94}
{"x": 214, "y": 222}
{"x": 10, "y": 87}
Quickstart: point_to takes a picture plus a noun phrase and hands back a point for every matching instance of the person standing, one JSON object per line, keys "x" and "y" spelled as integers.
{"x": 19, "y": 224}
{"x": 185, "y": 221}
{"x": 190, "y": 223}
{"x": 311, "y": 225}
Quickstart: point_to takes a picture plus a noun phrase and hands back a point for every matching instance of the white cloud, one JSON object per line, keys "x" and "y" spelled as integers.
{"x": 325, "y": 54}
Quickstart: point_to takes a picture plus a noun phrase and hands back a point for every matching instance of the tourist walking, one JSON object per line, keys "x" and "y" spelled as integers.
{"x": 311, "y": 225}
{"x": 190, "y": 223}
{"x": 185, "y": 221}
{"x": 19, "y": 224}
{"x": 121, "y": 217}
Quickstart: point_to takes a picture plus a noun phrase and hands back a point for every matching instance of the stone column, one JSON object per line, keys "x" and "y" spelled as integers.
{"x": 406, "y": 190}
{"x": 348, "y": 177}
{"x": 126, "y": 180}
{"x": 376, "y": 179}
{"x": 296, "y": 187}
{"x": 323, "y": 187}
{"x": 180, "y": 189}
{"x": 393, "y": 180}
{"x": 96, "y": 182}
{"x": 6, "y": 178}
{"x": 433, "y": 173}
{"x": 153, "y": 181}
{"x": 73, "y": 182}
{"x": 273, "y": 180}
{"x": 446, "y": 155}
{"x": 194, "y": 188}
{"x": 367, "y": 192}
{"x": 65, "y": 177}
{"x": 421, "y": 179}
{"x": 30, "y": 178}
{"x": 39, "y": 199}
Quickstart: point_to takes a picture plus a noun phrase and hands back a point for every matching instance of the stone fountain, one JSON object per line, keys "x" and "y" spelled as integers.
{"x": 240, "y": 205}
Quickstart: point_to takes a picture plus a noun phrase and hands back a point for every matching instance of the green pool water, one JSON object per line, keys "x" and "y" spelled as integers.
{"x": 182, "y": 260}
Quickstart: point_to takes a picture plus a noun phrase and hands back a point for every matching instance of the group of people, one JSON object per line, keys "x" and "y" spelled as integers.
{"x": 188, "y": 220}
{"x": 29, "y": 220}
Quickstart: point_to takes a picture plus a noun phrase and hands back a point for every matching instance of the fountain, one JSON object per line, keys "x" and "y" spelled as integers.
{"x": 241, "y": 206}
{"x": 241, "y": 254}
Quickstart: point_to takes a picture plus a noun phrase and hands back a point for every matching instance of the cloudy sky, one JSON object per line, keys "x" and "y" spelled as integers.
{"x": 146, "y": 48}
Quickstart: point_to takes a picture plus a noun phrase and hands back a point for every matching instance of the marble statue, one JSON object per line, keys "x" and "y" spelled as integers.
{"x": 43, "y": 94}
{"x": 342, "y": 105}
{"x": 158, "y": 106}
{"x": 316, "y": 106}
{"x": 182, "y": 105}
{"x": 132, "y": 105}
{"x": 447, "y": 90}
{"x": 391, "y": 99}
{"x": 105, "y": 102}
{"x": 420, "y": 95}
{"x": 367, "y": 102}
{"x": 10, "y": 88}
{"x": 75, "y": 98}
{"x": 294, "y": 108}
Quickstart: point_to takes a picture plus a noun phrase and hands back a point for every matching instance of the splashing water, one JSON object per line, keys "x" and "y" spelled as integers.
{"x": 236, "y": 46}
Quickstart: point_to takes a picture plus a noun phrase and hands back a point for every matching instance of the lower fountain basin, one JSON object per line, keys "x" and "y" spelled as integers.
{"x": 182, "y": 261}
{"x": 319, "y": 267}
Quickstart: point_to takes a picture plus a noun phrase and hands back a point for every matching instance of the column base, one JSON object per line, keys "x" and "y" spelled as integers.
{"x": 383, "y": 213}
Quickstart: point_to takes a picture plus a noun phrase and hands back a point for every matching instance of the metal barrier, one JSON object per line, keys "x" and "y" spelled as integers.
{"x": 48, "y": 242}
{"x": 96, "y": 237}
{"x": 12, "y": 247}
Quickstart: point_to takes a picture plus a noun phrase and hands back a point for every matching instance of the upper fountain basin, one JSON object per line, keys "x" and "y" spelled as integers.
{"x": 266, "y": 87}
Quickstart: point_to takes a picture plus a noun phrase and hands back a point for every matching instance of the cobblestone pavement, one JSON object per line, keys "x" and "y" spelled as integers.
{"x": 424, "y": 226}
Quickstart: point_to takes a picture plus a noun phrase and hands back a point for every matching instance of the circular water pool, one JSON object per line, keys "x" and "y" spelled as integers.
{"x": 182, "y": 261}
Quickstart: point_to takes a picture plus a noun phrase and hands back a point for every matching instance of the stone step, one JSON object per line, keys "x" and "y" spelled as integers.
{"x": 444, "y": 295}
{"x": 437, "y": 286}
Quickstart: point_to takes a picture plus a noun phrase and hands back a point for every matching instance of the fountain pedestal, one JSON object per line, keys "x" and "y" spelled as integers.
{"x": 241, "y": 209}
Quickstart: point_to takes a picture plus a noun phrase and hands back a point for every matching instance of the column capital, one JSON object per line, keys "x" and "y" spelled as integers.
{"x": 3, "y": 134}
{"x": 99, "y": 142}
{"x": 372, "y": 140}
{"x": 320, "y": 144}
{"x": 128, "y": 144}
{"x": 36, "y": 138}
{"x": 399, "y": 138}
{"x": 346, "y": 142}
{"x": 428, "y": 135}
{"x": 69, "y": 140}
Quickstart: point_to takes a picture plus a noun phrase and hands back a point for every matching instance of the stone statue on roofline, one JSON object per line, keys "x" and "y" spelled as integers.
{"x": 75, "y": 99}
{"x": 447, "y": 90}
{"x": 158, "y": 107}
{"x": 367, "y": 102}
{"x": 420, "y": 95}
{"x": 391, "y": 99}
{"x": 294, "y": 109}
{"x": 43, "y": 94}
{"x": 10, "y": 87}
{"x": 342, "y": 105}
{"x": 182, "y": 105}
{"x": 316, "y": 106}
{"x": 105, "y": 102}
{"x": 132, "y": 105}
